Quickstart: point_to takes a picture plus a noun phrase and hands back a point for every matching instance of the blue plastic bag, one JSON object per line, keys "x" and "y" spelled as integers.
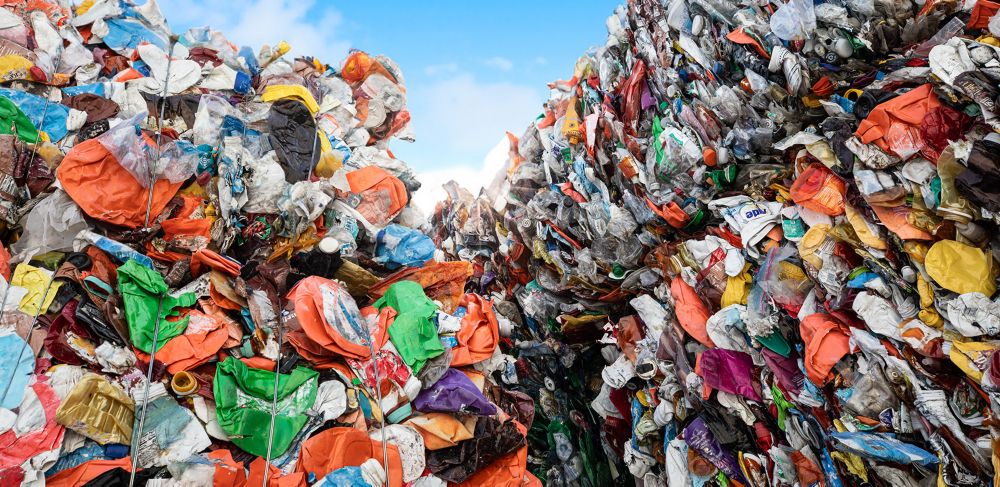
{"x": 14, "y": 373}
{"x": 34, "y": 107}
{"x": 343, "y": 477}
{"x": 882, "y": 448}
{"x": 124, "y": 35}
{"x": 400, "y": 246}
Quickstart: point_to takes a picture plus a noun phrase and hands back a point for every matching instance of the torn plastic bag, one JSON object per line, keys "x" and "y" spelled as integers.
{"x": 340, "y": 447}
{"x": 99, "y": 410}
{"x": 493, "y": 439}
{"x": 410, "y": 445}
{"x": 882, "y": 448}
{"x": 331, "y": 322}
{"x": 142, "y": 289}
{"x": 413, "y": 331}
{"x": 398, "y": 246}
{"x": 14, "y": 122}
{"x": 454, "y": 393}
{"x": 13, "y": 370}
{"x": 700, "y": 438}
{"x": 479, "y": 334}
{"x": 105, "y": 190}
{"x": 381, "y": 195}
{"x": 293, "y": 135}
{"x": 201, "y": 340}
{"x": 50, "y": 226}
{"x": 243, "y": 404}
{"x": 961, "y": 268}
{"x": 442, "y": 430}
{"x": 35, "y": 437}
{"x": 729, "y": 371}
{"x": 170, "y": 433}
{"x": 40, "y": 111}
{"x": 35, "y": 280}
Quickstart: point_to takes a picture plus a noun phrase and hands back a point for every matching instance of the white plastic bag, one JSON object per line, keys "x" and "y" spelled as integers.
{"x": 794, "y": 21}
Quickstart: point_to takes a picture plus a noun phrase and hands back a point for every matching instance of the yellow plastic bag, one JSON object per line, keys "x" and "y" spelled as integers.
{"x": 866, "y": 230}
{"x": 972, "y": 357}
{"x": 35, "y": 280}
{"x": 961, "y": 268}
{"x": 811, "y": 242}
{"x": 281, "y": 92}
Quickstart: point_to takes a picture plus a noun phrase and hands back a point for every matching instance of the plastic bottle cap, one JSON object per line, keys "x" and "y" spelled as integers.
{"x": 183, "y": 383}
{"x": 329, "y": 245}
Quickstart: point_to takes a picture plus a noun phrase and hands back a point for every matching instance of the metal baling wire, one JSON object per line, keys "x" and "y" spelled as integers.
{"x": 159, "y": 133}
{"x": 378, "y": 392}
{"x": 45, "y": 294}
{"x": 137, "y": 434}
{"x": 274, "y": 397}
{"x": 136, "y": 439}
{"x": 277, "y": 362}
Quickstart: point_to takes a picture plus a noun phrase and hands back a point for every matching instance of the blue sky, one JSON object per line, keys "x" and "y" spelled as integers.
{"x": 473, "y": 69}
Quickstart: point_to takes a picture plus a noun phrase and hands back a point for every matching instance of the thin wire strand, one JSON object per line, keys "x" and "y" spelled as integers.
{"x": 274, "y": 397}
{"x": 378, "y": 392}
{"x": 137, "y": 434}
{"x": 27, "y": 337}
{"x": 159, "y": 135}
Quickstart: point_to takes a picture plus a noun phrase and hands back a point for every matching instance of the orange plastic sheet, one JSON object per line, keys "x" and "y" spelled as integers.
{"x": 480, "y": 333}
{"x": 85, "y": 472}
{"x": 894, "y": 124}
{"x": 691, "y": 311}
{"x": 347, "y": 447}
{"x": 320, "y": 339}
{"x": 827, "y": 341}
{"x": 105, "y": 191}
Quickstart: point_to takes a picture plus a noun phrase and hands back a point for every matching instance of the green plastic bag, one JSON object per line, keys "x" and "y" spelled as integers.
{"x": 14, "y": 122}
{"x": 243, "y": 405}
{"x": 413, "y": 331}
{"x": 141, "y": 288}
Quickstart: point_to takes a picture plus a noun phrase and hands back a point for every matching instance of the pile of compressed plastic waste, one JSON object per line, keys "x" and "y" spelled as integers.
{"x": 753, "y": 243}
{"x": 212, "y": 275}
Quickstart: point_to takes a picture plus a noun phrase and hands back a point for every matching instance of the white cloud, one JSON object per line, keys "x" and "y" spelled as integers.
{"x": 458, "y": 120}
{"x": 260, "y": 22}
{"x": 501, "y": 63}
{"x": 469, "y": 177}
{"x": 440, "y": 69}
{"x": 465, "y": 114}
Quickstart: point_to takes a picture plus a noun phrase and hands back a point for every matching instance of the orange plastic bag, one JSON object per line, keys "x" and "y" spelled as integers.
{"x": 307, "y": 297}
{"x": 895, "y": 220}
{"x": 204, "y": 259}
{"x": 981, "y": 13}
{"x": 87, "y": 471}
{"x": 274, "y": 476}
{"x": 827, "y": 341}
{"x": 819, "y": 189}
{"x": 691, "y": 311}
{"x": 359, "y": 65}
{"x": 894, "y": 125}
{"x": 346, "y": 447}
{"x": 480, "y": 332}
{"x": 380, "y": 187}
{"x": 199, "y": 343}
{"x": 228, "y": 472}
{"x": 105, "y": 191}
